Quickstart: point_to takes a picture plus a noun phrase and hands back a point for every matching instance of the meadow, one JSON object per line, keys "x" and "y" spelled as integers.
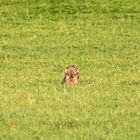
{"x": 39, "y": 38}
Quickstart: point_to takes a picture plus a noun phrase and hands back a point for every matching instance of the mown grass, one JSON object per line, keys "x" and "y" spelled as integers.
{"x": 39, "y": 39}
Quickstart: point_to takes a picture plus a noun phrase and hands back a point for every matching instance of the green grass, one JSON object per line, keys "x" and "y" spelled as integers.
{"x": 39, "y": 39}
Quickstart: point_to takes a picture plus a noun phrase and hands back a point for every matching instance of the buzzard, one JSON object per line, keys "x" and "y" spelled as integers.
{"x": 71, "y": 75}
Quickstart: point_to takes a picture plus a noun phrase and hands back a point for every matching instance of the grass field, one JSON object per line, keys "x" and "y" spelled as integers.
{"x": 39, "y": 38}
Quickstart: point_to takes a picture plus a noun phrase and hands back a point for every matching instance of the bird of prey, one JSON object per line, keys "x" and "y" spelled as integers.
{"x": 71, "y": 75}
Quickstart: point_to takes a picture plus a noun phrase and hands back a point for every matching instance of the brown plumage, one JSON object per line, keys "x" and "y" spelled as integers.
{"x": 71, "y": 75}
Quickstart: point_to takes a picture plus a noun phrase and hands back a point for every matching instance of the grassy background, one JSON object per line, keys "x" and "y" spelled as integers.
{"x": 39, "y": 39}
